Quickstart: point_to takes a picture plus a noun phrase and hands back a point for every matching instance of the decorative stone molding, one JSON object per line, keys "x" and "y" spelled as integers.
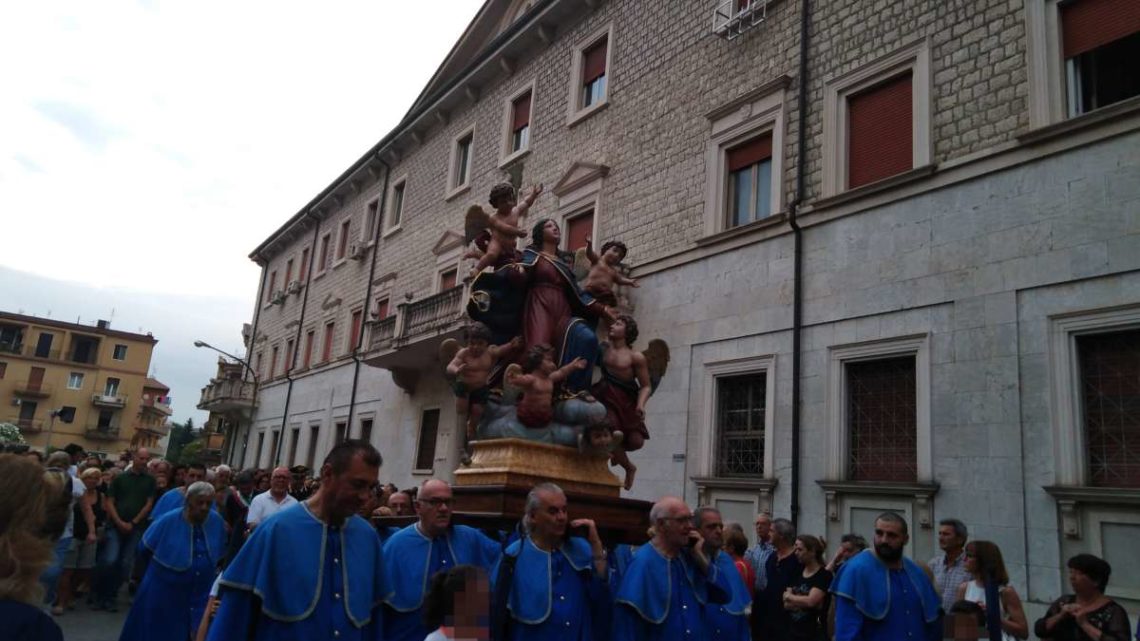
{"x": 921, "y": 493}
{"x": 762, "y": 488}
{"x": 330, "y": 302}
{"x": 1070, "y": 499}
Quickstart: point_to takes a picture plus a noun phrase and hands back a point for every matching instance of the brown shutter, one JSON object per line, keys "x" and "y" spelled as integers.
{"x": 594, "y": 63}
{"x": 447, "y": 280}
{"x": 750, "y": 153}
{"x": 879, "y": 132}
{"x": 577, "y": 229}
{"x": 521, "y": 116}
{"x": 356, "y": 318}
{"x": 1088, "y": 24}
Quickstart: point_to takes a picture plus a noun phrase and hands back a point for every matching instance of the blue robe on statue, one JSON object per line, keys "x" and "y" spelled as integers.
{"x": 555, "y": 596}
{"x": 412, "y": 559}
{"x": 297, "y": 578}
{"x": 183, "y": 564}
{"x": 875, "y": 603}
{"x": 729, "y": 621}
{"x": 663, "y": 599}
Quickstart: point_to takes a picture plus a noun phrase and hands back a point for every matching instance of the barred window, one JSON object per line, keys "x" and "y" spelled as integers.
{"x": 1110, "y": 395}
{"x": 740, "y": 424}
{"x": 882, "y": 420}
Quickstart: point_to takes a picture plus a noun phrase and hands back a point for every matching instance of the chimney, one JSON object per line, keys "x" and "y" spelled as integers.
{"x": 103, "y": 324}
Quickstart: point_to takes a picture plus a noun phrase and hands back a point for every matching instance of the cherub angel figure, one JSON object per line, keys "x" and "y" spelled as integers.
{"x": 628, "y": 379}
{"x": 537, "y": 378}
{"x": 603, "y": 274}
{"x": 470, "y": 369}
{"x": 503, "y": 226}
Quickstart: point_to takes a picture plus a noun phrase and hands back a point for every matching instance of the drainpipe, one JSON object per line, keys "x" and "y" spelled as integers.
{"x": 297, "y": 340}
{"x": 368, "y": 290}
{"x": 797, "y": 259}
{"x": 252, "y": 345}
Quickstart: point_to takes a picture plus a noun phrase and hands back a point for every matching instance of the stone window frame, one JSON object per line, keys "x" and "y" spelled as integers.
{"x": 369, "y": 415}
{"x": 575, "y": 113}
{"x": 506, "y": 156}
{"x": 324, "y": 267}
{"x": 448, "y": 252}
{"x": 419, "y": 437}
{"x": 454, "y": 186}
{"x": 754, "y": 114}
{"x": 578, "y": 198}
{"x": 343, "y": 235}
{"x": 401, "y": 182}
{"x": 913, "y": 58}
{"x": 368, "y": 228}
{"x": 71, "y": 377}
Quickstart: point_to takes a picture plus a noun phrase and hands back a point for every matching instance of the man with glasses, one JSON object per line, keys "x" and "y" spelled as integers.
{"x": 757, "y": 555}
{"x": 663, "y": 593}
{"x": 414, "y": 554}
{"x": 267, "y": 504}
{"x": 727, "y": 621}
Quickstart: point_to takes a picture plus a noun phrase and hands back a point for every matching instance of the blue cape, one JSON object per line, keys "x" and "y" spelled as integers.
{"x": 531, "y": 591}
{"x": 173, "y": 500}
{"x": 171, "y": 539}
{"x": 741, "y": 596}
{"x": 647, "y": 586}
{"x": 866, "y": 582}
{"x": 408, "y": 553}
{"x": 284, "y": 559}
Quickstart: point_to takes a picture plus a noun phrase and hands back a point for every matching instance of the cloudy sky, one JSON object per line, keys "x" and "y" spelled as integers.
{"x": 147, "y": 147}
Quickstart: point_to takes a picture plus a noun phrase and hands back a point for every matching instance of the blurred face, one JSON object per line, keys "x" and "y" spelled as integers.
{"x": 971, "y": 559}
{"x": 193, "y": 475}
{"x": 803, "y": 555}
{"x": 222, "y": 478}
{"x": 262, "y": 483}
{"x": 433, "y": 506}
{"x": 279, "y": 481}
{"x": 948, "y": 540}
{"x": 612, "y": 256}
{"x": 889, "y": 540}
{"x": 477, "y": 347}
{"x": 1081, "y": 582}
{"x": 106, "y": 478}
{"x": 197, "y": 507}
{"x": 617, "y": 329}
{"x": 847, "y": 550}
{"x": 712, "y": 529}
{"x": 298, "y": 480}
{"x": 675, "y": 528}
{"x": 763, "y": 528}
{"x": 551, "y": 233}
{"x": 471, "y": 608}
{"x": 347, "y": 493}
{"x": 400, "y": 504}
{"x": 549, "y": 519}
{"x": 91, "y": 481}
{"x": 140, "y": 459}
{"x": 245, "y": 487}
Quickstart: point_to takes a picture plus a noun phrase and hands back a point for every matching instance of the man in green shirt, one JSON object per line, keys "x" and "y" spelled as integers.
{"x": 129, "y": 500}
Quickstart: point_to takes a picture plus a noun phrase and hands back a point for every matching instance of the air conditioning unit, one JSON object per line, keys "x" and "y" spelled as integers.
{"x": 356, "y": 251}
{"x": 15, "y": 402}
{"x": 294, "y": 287}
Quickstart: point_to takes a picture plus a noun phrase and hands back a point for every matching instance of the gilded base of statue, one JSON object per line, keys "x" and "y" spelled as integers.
{"x": 513, "y": 461}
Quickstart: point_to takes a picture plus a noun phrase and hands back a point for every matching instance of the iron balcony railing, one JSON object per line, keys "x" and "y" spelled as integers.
{"x": 26, "y": 425}
{"x": 109, "y": 400}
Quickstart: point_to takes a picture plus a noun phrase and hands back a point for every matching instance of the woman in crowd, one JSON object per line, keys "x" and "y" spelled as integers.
{"x": 26, "y": 548}
{"x": 80, "y": 557}
{"x": 736, "y": 544}
{"x": 458, "y": 605}
{"x": 990, "y": 589}
{"x": 1087, "y": 614}
{"x": 808, "y": 598}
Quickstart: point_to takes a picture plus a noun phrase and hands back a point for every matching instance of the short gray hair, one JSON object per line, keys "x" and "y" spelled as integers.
{"x": 532, "y": 498}
{"x": 199, "y": 488}
{"x": 223, "y": 469}
{"x": 700, "y": 512}
{"x": 960, "y": 530}
{"x": 785, "y": 529}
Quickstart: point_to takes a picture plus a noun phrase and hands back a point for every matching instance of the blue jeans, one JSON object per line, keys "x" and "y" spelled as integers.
{"x": 50, "y": 578}
{"x": 113, "y": 562}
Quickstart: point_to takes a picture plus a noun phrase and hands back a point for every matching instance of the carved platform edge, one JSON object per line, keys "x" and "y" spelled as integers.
{"x": 520, "y": 462}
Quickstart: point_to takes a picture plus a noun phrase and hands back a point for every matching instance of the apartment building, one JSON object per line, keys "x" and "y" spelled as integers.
{"x": 894, "y": 247}
{"x": 73, "y": 383}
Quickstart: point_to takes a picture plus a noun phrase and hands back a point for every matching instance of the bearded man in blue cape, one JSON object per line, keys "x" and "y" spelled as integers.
{"x": 884, "y": 596}
{"x": 184, "y": 549}
{"x": 548, "y": 586}
{"x": 663, "y": 594}
{"x": 313, "y": 570}
{"x": 727, "y": 621}
{"x": 415, "y": 553}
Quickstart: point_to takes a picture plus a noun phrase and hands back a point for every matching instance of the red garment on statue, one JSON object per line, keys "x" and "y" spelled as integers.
{"x": 547, "y": 311}
{"x": 534, "y": 417}
{"x": 621, "y": 406}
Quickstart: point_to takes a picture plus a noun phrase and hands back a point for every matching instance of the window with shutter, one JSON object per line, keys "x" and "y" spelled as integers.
{"x": 577, "y": 229}
{"x": 1101, "y": 44}
{"x": 594, "y": 73}
{"x": 749, "y": 190}
{"x": 520, "y": 122}
{"x": 880, "y": 132}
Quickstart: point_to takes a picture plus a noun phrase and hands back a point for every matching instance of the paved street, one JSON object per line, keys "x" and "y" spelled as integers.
{"x": 82, "y": 624}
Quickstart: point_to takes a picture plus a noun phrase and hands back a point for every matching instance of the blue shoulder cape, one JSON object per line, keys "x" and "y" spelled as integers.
{"x": 408, "y": 554}
{"x": 531, "y": 589}
{"x": 647, "y": 586}
{"x": 741, "y": 596}
{"x": 284, "y": 559}
{"x": 866, "y": 582}
{"x": 173, "y": 500}
{"x": 171, "y": 539}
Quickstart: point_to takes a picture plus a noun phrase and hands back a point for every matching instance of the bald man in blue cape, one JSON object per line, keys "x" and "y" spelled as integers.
{"x": 418, "y": 551}
{"x": 313, "y": 570}
{"x": 184, "y": 549}
{"x": 663, "y": 594}
{"x": 881, "y": 595}
{"x": 725, "y": 621}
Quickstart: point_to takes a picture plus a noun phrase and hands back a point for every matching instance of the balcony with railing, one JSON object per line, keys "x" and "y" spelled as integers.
{"x": 10, "y": 347}
{"x": 112, "y": 400}
{"x": 407, "y": 342}
{"x": 227, "y": 395}
{"x": 157, "y": 405}
{"x": 33, "y": 389}
{"x": 103, "y": 433}
{"x": 26, "y": 425}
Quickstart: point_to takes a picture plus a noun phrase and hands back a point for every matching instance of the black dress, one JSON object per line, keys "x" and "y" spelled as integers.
{"x": 1110, "y": 619}
{"x": 810, "y": 625}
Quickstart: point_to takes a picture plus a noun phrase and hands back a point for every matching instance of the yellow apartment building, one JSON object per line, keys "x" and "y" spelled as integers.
{"x": 66, "y": 383}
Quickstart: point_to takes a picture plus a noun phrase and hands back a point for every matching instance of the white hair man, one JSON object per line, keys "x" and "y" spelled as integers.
{"x": 550, "y": 586}
{"x": 663, "y": 592}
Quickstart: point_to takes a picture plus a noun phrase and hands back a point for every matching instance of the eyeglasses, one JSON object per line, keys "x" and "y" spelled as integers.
{"x": 679, "y": 519}
{"x": 435, "y": 503}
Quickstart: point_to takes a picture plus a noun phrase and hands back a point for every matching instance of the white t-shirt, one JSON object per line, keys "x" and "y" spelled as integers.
{"x": 264, "y": 506}
{"x": 78, "y": 489}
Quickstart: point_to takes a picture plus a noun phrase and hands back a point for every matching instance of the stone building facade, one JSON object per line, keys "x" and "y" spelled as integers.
{"x": 948, "y": 256}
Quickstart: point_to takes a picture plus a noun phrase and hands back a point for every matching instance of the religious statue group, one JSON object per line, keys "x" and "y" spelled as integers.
{"x": 548, "y": 355}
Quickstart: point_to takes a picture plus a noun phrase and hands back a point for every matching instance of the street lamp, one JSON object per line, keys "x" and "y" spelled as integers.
{"x": 256, "y": 383}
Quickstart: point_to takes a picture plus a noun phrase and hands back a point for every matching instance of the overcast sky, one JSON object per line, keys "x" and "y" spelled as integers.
{"x": 147, "y": 147}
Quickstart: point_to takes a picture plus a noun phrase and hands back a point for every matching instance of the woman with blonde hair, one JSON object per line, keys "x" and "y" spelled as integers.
{"x": 28, "y": 502}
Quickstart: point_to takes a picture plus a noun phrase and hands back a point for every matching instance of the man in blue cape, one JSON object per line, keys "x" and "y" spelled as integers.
{"x": 549, "y": 586}
{"x": 884, "y": 596}
{"x": 418, "y": 551}
{"x": 664, "y": 590}
{"x": 184, "y": 549}
{"x": 727, "y": 621}
{"x": 175, "y": 498}
{"x": 313, "y": 570}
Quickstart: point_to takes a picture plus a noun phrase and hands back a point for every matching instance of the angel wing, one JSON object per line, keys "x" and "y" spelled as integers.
{"x": 581, "y": 266}
{"x": 447, "y": 351}
{"x": 657, "y": 360}
{"x": 476, "y": 222}
{"x": 510, "y": 392}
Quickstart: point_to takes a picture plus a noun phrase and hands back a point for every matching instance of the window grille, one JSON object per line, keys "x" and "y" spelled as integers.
{"x": 740, "y": 425}
{"x": 1110, "y": 394}
{"x": 732, "y": 18}
{"x": 882, "y": 420}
